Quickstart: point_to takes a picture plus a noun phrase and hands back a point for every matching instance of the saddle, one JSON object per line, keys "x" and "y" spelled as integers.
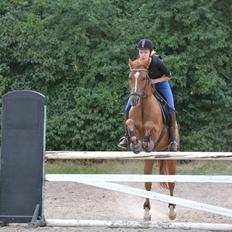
{"x": 164, "y": 106}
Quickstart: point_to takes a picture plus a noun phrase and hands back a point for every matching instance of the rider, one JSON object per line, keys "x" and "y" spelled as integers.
{"x": 159, "y": 76}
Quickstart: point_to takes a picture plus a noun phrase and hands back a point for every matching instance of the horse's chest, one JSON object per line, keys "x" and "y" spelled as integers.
{"x": 139, "y": 124}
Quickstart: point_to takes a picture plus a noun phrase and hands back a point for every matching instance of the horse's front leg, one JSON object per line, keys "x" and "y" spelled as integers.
{"x": 148, "y": 144}
{"x": 136, "y": 145}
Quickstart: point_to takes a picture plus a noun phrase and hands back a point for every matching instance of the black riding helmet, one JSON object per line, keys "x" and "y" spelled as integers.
{"x": 145, "y": 44}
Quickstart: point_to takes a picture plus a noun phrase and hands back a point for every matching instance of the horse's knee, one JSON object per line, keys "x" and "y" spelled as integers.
{"x": 130, "y": 123}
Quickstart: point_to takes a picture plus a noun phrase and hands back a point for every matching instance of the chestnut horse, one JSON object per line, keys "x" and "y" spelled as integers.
{"x": 146, "y": 128}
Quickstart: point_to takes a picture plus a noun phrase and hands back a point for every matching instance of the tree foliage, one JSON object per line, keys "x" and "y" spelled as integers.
{"x": 76, "y": 54}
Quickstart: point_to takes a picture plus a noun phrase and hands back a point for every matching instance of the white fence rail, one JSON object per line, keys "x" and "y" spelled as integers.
{"x": 139, "y": 178}
{"x": 138, "y": 225}
{"x": 161, "y": 197}
{"x": 142, "y": 155}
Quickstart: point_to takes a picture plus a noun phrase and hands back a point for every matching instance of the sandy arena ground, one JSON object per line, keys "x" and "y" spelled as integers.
{"x": 77, "y": 201}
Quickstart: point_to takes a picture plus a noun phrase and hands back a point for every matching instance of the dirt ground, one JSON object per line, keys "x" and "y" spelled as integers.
{"x": 77, "y": 201}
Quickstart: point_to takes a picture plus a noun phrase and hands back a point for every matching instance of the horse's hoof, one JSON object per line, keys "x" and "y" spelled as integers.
{"x": 173, "y": 146}
{"x": 147, "y": 215}
{"x": 172, "y": 212}
{"x": 136, "y": 148}
{"x": 148, "y": 147}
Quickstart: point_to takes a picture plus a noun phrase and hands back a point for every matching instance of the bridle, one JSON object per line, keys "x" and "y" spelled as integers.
{"x": 143, "y": 95}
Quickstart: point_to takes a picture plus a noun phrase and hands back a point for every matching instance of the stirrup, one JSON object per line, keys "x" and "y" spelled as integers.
{"x": 123, "y": 143}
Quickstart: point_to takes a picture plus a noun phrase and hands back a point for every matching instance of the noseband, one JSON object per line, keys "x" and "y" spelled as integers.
{"x": 147, "y": 81}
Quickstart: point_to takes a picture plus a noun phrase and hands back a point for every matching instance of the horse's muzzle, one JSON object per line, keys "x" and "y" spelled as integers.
{"x": 135, "y": 99}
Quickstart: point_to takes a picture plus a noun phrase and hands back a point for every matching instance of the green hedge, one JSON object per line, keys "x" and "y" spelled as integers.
{"x": 76, "y": 54}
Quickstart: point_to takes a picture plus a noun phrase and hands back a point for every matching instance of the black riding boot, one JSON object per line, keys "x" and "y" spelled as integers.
{"x": 172, "y": 132}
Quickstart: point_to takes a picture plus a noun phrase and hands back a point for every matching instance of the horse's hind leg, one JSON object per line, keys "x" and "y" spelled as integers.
{"x": 171, "y": 171}
{"x": 172, "y": 207}
{"x": 148, "y": 165}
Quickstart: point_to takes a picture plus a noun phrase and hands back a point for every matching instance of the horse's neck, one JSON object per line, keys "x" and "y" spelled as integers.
{"x": 149, "y": 94}
{"x": 148, "y": 102}
{"x": 148, "y": 99}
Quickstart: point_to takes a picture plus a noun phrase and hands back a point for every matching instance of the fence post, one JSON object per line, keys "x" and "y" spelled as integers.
{"x": 22, "y": 157}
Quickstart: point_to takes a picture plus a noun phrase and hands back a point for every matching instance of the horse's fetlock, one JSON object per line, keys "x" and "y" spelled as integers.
{"x": 145, "y": 145}
{"x": 132, "y": 133}
{"x": 147, "y": 205}
{"x": 170, "y": 205}
{"x": 146, "y": 138}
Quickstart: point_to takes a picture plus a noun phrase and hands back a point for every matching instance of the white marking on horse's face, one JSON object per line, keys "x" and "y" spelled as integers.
{"x": 137, "y": 74}
{"x": 136, "y": 80}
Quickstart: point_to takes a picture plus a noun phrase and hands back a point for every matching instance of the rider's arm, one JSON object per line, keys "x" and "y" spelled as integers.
{"x": 163, "y": 68}
{"x": 166, "y": 73}
{"x": 161, "y": 79}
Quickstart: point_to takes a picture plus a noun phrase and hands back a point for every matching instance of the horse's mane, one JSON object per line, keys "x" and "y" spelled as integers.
{"x": 138, "y": 63}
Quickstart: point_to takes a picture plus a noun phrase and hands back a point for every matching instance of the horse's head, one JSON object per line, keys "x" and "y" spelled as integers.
{"x": 138, "y": 80}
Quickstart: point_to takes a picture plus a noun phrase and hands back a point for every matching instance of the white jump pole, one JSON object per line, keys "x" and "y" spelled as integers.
{"x": 139, "y": 178}
{"x": 137, "y": 224}
{"x": 142, "y": 155}
{"x": 161, "y": 197}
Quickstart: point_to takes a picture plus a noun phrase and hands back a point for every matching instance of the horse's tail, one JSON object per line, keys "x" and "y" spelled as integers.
{"x": 166, "y": 167}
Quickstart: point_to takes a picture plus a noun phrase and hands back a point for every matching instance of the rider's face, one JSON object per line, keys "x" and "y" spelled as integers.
{"x": 144, "y": 54}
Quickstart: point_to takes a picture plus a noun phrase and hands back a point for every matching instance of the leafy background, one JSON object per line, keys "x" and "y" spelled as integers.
{"x": 75, "y": 52}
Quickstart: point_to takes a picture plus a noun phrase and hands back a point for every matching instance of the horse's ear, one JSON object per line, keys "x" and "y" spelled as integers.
{"x": 130, "y": 63}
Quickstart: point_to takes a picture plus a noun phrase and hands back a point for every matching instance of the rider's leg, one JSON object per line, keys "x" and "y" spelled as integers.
{"x": 124, "y": 141}
{"x": 165, "y": 89}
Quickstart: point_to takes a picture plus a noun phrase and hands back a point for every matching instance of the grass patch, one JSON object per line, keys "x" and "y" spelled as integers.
{"x": 90, "y": 167}
{"x": 205, "y": 168}
{"x": 134, "y": 167}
